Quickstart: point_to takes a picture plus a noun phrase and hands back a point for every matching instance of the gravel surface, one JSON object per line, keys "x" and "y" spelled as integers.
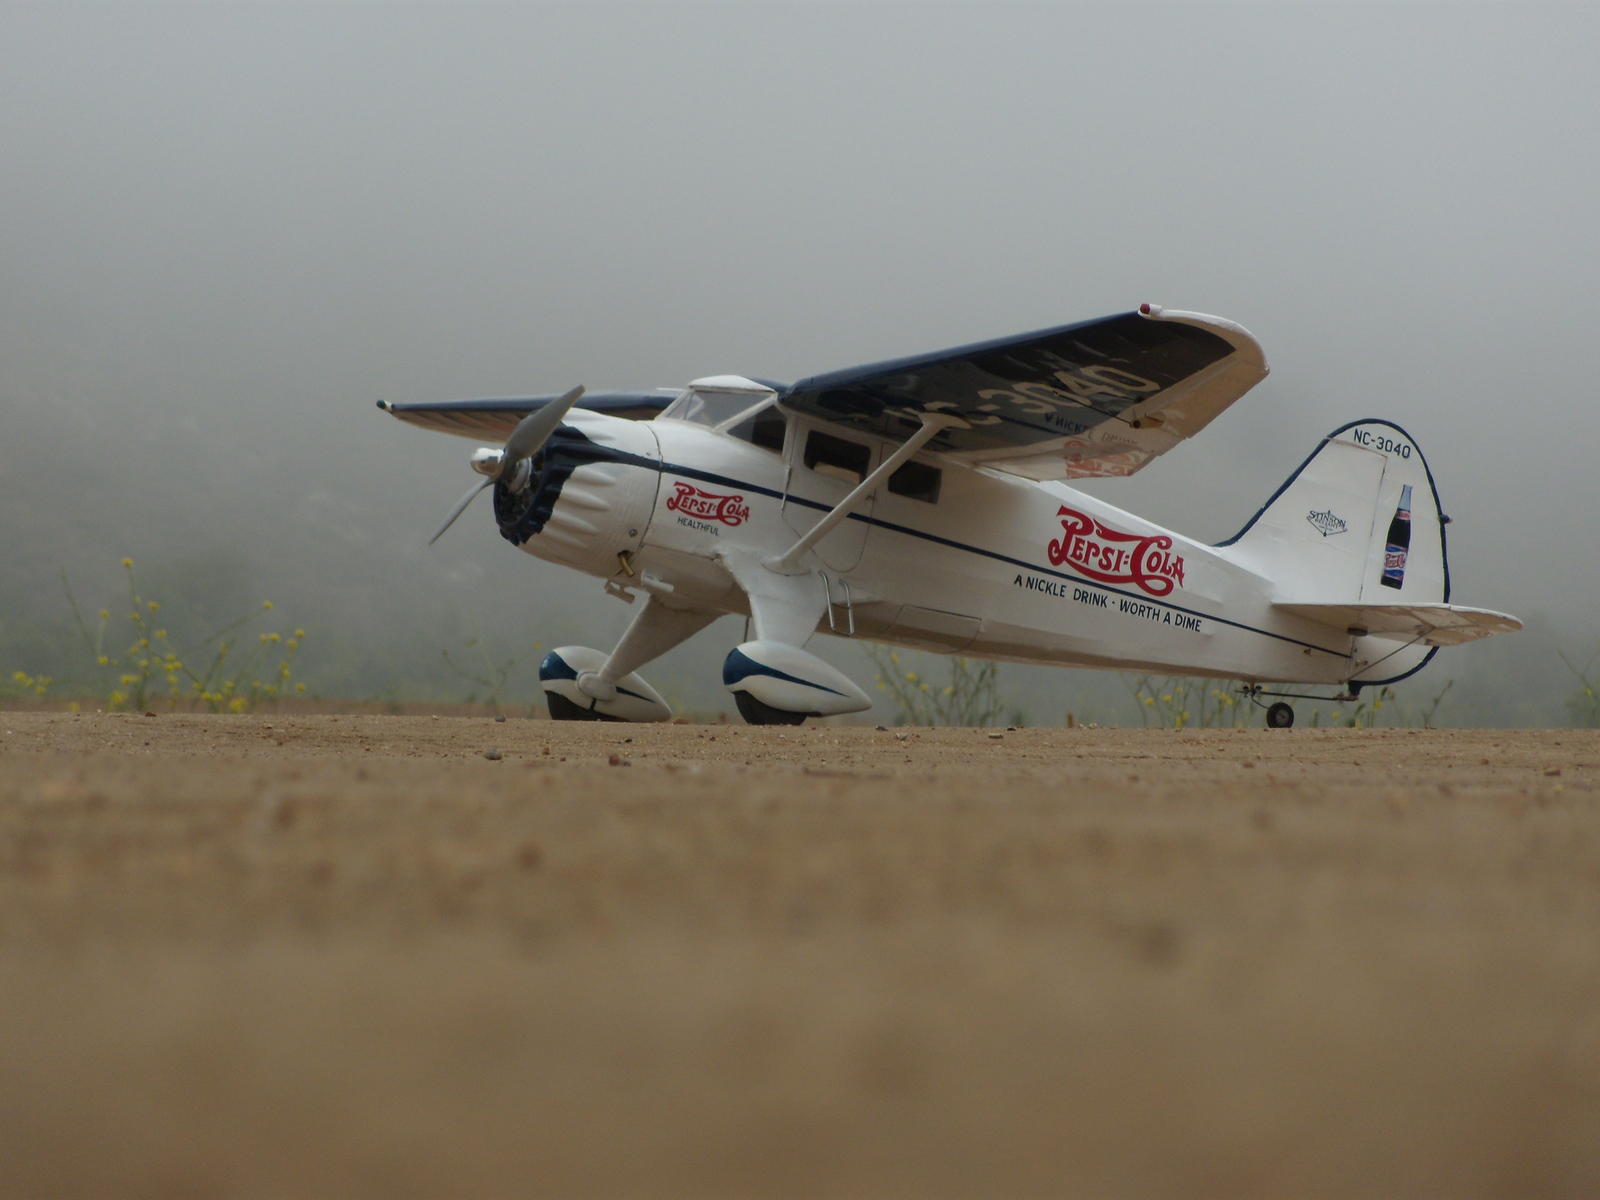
{"x": 411, "y": 956}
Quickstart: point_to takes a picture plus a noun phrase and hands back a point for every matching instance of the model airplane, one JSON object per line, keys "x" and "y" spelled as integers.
{"x": 920, "y": 502}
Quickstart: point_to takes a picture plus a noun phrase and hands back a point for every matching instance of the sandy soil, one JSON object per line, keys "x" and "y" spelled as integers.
{"x": 395, "y": 956}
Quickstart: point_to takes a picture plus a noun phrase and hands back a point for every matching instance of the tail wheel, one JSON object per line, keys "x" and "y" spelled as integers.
{"x": 1280, "y": 716}
{"x": 756, "y": 713}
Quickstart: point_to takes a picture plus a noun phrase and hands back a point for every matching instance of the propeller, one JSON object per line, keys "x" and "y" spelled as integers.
{"x": 526, "y": 440}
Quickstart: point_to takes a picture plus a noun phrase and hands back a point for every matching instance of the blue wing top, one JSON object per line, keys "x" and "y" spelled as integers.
{"x": 1101, "y": 397}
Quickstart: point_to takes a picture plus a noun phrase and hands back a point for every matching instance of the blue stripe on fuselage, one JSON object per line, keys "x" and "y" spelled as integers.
{"x": 606, "y": 455}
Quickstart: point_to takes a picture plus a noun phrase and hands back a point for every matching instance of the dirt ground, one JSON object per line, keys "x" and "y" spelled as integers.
{"x": 386, "y": 956}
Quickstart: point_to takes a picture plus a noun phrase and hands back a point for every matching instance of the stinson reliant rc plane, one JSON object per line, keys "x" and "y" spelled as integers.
{"x": 920, "y": 502}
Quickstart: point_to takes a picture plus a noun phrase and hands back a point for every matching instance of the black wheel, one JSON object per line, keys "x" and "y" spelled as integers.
{"x": 562, "y": 709}
{"x": 756, "y": 713}
{"x": 1280, "y": 716}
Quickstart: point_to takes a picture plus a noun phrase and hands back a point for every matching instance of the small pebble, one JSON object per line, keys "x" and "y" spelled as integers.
{"x": 492, "y": 755}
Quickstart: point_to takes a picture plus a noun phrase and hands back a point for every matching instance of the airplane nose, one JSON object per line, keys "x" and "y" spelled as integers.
{"x": 587, "y": 497}
{"x": 525, "y": 500}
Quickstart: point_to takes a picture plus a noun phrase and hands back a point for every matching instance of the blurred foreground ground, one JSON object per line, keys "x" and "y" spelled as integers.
{"x": 356, "y": 956}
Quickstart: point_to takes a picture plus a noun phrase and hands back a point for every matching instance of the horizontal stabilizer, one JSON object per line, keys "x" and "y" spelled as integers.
{"x": 1430, "y": 624}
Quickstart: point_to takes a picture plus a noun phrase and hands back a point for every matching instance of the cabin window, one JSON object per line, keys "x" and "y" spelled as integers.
{"x": 829, "y": 455}
{"x": 765, "y": 429}
{"x": 916, "y": 480}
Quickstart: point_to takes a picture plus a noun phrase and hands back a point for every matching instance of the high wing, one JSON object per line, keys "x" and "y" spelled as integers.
{"x": 1101, "y": 397}
{"x": 493, "y": 420}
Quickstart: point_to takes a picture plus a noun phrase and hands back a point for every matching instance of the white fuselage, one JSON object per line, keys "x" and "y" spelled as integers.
{"x": 962, "y": 560}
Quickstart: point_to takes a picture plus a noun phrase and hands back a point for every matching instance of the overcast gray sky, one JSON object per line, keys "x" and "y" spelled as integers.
{"x": 225, "y": 229}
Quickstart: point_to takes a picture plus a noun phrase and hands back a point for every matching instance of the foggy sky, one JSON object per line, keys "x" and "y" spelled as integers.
{"x": 227, "y": 229}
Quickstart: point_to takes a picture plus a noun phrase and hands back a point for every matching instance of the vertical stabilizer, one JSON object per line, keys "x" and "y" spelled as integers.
{"x": 1357, "y": 522}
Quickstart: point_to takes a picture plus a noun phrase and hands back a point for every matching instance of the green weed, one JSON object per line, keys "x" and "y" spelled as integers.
{"x": 1583, "y": 706}
{"x": 490, "y": 675}
{"x": 968, "y": 696}
{"x": 224, "y": 672}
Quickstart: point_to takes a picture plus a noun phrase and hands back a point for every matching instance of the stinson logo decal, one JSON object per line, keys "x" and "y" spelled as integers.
{"x": 1326, "y": 523}
{"x": 1111, "y": 556}
{"x": 708, "y": 506}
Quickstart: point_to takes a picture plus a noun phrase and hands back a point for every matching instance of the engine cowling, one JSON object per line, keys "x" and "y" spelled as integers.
{"x": 588, "y": 495}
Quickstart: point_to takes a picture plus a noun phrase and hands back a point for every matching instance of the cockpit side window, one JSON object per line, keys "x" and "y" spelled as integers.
{"x": 765, "y": 428}
{"x": 837, "y": 456}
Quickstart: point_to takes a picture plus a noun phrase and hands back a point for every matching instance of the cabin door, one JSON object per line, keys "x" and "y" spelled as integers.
{"x": 824, "y": 467}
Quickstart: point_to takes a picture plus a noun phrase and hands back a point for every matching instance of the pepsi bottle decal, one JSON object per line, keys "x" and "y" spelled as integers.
{"x": 1398, "y": 542}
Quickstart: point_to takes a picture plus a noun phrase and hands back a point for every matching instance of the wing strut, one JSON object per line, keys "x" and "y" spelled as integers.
{"x": 932, "y": 424}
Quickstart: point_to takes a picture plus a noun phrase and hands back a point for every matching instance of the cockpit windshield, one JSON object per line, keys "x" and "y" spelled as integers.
{"x": 733, "y": 405}
{"x": 713, "y": 408}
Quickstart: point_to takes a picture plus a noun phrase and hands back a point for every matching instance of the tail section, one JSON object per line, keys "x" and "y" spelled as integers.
{"x": 1358, "y": 521}
{"x": 1355, "y": 539}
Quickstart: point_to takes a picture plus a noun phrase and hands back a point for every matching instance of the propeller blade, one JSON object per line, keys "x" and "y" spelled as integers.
{"x": 460, "y": 508}
{"x": 535, "y": 429}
